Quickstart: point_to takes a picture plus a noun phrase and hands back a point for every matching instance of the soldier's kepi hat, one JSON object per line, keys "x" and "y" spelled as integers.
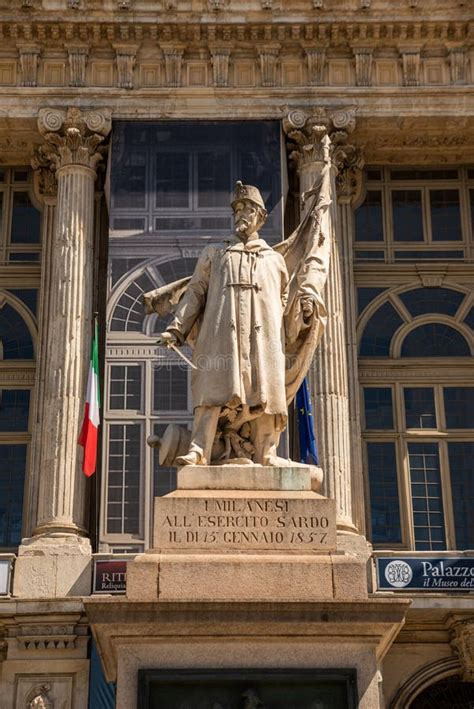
{"x": 248, "y": 192}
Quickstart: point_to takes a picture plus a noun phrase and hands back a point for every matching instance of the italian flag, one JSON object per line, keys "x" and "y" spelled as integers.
{"x": 88, "y": 436}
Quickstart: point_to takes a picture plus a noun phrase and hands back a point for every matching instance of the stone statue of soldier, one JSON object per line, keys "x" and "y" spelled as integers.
{"x": 253, "y": 315}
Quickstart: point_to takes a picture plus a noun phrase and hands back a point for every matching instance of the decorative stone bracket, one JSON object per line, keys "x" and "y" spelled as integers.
{"x": 462, "y": 642}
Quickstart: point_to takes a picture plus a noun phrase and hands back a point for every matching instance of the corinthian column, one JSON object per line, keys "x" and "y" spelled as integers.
{"x": 328, "y": 377}
{"x": 73, "y": 150}
{"x": 73, "y": 146}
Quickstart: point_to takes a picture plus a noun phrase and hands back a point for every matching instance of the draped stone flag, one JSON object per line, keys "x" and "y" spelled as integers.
{"x": 88, "y": 436}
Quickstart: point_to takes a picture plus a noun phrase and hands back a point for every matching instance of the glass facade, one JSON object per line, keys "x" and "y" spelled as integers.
{"x": 171, "y": 188}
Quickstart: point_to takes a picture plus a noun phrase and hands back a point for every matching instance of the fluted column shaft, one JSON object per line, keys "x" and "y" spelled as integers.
{"x": 327, "y": 377}
{"x": 346, "y": 231}
{"x": 62, "y": 487}
{"x": 72, "y": 152}
{"x": 32, "y": 485}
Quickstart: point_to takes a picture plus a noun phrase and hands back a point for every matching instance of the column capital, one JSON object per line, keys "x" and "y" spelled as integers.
{"x": 305, "y": 129}
{"x": 72, "y": 137}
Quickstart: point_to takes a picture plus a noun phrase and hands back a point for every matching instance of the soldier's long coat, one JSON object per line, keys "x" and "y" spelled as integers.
{"x": 240, "y": 309}
{"x": 237, "y": 298}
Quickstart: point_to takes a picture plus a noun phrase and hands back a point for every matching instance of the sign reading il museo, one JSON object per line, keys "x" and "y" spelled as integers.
{"x": 110, "y": 576}
{"x": 426, "y": 573}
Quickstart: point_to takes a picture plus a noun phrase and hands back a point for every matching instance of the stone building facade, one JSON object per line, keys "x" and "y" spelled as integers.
{"x": 122, "y": 126}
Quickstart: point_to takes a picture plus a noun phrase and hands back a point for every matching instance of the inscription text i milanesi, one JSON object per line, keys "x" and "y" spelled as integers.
{"x": 251, "y": 523}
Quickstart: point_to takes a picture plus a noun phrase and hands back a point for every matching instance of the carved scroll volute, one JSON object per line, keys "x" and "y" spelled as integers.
{"x": 72, "y": 137}
{"x": 305, "y": 131}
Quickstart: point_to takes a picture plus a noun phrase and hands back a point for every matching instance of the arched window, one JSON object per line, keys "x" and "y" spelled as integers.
{"x": 451, "y": 693}
{"x": 15, "y": 338}
{"x": 20, "y": 243}
{"x": 418, "y": 422}
{"x": 435, "y": 340}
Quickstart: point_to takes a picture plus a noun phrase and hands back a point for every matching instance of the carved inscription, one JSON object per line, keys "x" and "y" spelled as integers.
{"x": 245, "y": 523}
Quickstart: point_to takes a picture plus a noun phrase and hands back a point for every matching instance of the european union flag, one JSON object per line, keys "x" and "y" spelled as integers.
{"x": 308, "y": 449}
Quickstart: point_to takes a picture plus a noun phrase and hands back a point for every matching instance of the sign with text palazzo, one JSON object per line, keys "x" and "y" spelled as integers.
{"x": 427, "y": 573}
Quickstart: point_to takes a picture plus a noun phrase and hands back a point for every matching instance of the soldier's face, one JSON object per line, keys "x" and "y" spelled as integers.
{"x": 247, "y": 218}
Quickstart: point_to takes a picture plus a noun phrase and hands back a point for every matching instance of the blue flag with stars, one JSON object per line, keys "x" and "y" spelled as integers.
{"x": 308, "y": 449}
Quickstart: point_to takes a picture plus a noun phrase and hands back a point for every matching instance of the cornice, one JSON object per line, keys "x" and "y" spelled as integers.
{"x": 374, "y": 32}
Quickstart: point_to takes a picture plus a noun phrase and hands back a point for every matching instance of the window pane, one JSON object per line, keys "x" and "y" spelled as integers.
{"x": 459, "y": 407}
{"x": 461, "y": 456}
{"x": 469, "y": 319}
{"x": 14, "y": 409}
{"x": 435, "y": 340}
{"x": 378, "y": 408}
{"x": 407, "y": 215}
{"x": 28, "y": 296}
{"x": 26, "y": 222}
{"x": 129, "y": 313}
{"x": 172, "y": 180}
{"x": 125, "y": 387}
{"x": 368, "y": 218}
{"x": 129, "y": 182}
{"x": 12, "y": 480}
{"x": 15, "y": 338}
{"x": 123, "y": 491}
{"x": 420, "y": 301}
{"x": 384, "y": 499}
{"x": 424, "y": 174}
{"x": 170, "y": 388}
{"x": 445, "y": 215}
{"x": 213, "y": 178}
{"x": 429, "y": 255}
{"x": 420, "y": 407}
{"x": 426, "y": 488}
{"x": 379, "y": 332}
{"x": 365, "y": 296}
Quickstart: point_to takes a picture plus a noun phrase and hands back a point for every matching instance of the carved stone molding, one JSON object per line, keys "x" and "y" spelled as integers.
{"x": 458, "y": 58}
{"x": 305, "y": 130}
{"x": 316, "y": 61}
{"x": 39, "y": 698}
{"x": 462, "y": 642}
{"x": 29, "y": 56}
{"x": 363, "y": 65}
{"x": 77, "y": 58}
{"x": 268, "y": 56}
{"x": 220, "y": 59}
{"x": 411, "y": 65}
{"x": 126, "y": 57}
{"x": 72, "y": 137}
{"x": 173, "y": 55}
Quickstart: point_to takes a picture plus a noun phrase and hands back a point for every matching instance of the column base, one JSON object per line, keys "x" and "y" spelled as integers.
{"x": 53, "y": 565}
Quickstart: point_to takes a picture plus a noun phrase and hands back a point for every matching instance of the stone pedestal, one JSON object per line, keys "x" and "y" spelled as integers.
{"x": 247, "y": 533}
{"x": 249, "y": 576}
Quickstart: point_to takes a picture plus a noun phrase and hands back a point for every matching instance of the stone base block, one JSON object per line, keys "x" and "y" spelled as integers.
{"x": 249, "y": 477}
{"x": 53, "y": 566}
{"x": 246, "y": 577}
{"x": 230, "y": 520}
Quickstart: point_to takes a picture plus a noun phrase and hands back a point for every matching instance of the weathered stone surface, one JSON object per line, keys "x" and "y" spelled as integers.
{"x": 53, "y": 567}
{"x": 260, "y": 520}
{"x": 248, "y": 477}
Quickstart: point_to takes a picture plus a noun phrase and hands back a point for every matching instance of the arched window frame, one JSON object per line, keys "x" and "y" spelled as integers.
{"x": 19, "y": 374}
{"x": 138, "y": 349}
{"x": 396, "y": 373}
